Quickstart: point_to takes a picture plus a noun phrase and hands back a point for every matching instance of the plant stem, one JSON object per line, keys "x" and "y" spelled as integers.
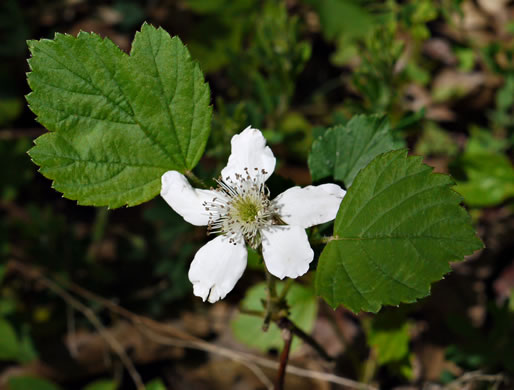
{"x": 369, "y": 368}
{"x": 98, "y": 232}
{"x": 255, "y": 313}
{"x": 277, "y": 311}
{"x": 284, "y": 357}
{"x": 271, "y": 297}
{"x": 196, "y": 180}
{"x": 286, "y": 323}
{"x": 285, "y": 290}
{"x": 323, "y": 240}
{"x": 270, "y": 280}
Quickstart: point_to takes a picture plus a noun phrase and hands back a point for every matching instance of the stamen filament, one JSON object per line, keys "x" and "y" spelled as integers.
{"x": 242, "y": 208}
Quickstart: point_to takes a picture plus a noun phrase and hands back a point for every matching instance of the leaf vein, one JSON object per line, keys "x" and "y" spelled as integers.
{"x": 388, "y": 275}
{"x": 87, "y": 81}
{"x": 352, "y": 282}
{"x": 131, "y": 164}
{"x": 417, "y": 211}
{"x": 161, "y": 87}
{"x": 396, "y": 238}
{"x": 83, "y": 116}
{"x": 392, "y": 208}
{"x": 380, "y": 192}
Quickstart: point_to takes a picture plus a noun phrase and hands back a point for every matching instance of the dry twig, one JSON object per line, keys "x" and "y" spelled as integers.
{"x": 89, "y": 314}
{"x": 166, "y": 334}
{"x": 474, "y": 376}
{"x": 284, "y": 357}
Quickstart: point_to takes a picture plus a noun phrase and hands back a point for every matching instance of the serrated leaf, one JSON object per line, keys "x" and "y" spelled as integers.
{"x": 342, "y": 151}
{"x": 117, "y": 122}
{"x": 248, "y": 329}
{"x": 397, "y": 229}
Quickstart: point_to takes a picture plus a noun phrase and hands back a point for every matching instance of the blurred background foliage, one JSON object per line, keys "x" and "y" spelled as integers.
{"x": 443, "y": 72}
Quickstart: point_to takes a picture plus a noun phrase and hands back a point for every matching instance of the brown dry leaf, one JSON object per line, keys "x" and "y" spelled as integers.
{"x": 226, "y": 374}
{"x": 472, "y": 19}
{"x": 223, "y": 374}
{"x": 439, "y": 49}
{"x": 196, "y": 324}
{"x": 494, "y": 7}
{"x": 219, "y": 316}
{"x": 450, "y": 84}
{"x": 440, "y": 164}
{"x": 89, "y": 348}
{"x": 325, "y": 335}
{"x": 472, "y": 24}
{"x": 87, "y": 353}
{"x": 432, "y": 361}
{"x": 109, "y": 15}
{"x": 419, "y": 97}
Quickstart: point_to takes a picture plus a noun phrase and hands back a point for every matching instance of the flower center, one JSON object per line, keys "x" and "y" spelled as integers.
{"x": 246, "y": 209}
{"x": 242, "y": 208}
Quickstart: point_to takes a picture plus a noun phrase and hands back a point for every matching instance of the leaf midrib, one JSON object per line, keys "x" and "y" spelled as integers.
{"x": 101, "y": 162}
{"x": 168, "y": 156}
{"x": 395, "y": 237}
{"x": 163, "y": 95}
{"x": 358, "y": 212}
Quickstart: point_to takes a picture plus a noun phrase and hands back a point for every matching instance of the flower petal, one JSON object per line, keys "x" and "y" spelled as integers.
{"x": 309, "y": 206}
{"x": 286, "y": 251}
{"x": 217, "y": 267}
{"x": 186, "y": 200}
{"x": 249, "y": 150}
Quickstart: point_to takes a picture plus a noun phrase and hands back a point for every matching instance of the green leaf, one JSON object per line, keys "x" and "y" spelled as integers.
{"x": 117, "y": 122}
{"x": 342, "y": 17}
{"x": 9, "y": 344}
{"x": 7, "y": 306}
{"x": 483, "y": 141}
{"x": 10, "y": 109}
{"x": 490, "y": 179}
{"x": 32, "y": 383}
{"x": 27, "y": 351}
{"x": 435, "y": 141}
{"x": 248, "y": 329}
{"x": 388, "y": 334}
{"x": 489, "y": 172}
{"x": 396, "y": 230}
{"x": 102, "y": 384}
{"x": 342, "y": 151}
{"x": 156, "y": 384}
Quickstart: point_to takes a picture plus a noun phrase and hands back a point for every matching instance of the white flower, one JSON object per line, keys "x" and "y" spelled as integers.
{"x": 241, "y": 211}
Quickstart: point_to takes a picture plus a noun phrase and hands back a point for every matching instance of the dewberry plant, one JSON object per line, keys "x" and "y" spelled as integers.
{"x": 124, "y": 128}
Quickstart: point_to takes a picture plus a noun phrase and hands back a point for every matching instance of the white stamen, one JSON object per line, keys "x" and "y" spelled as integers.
{"x": 243, "y": 207}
